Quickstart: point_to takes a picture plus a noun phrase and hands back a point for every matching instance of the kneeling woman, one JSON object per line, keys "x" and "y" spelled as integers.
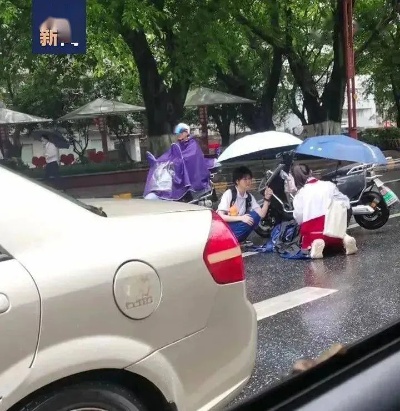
{"x": 310, "y": 206}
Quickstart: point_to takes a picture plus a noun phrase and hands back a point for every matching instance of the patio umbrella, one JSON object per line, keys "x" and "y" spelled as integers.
{"x": 341, "y": 148}
{"x": 11, "y": 117}
{"x": 54, "y": 136}
{"x": 260, "y": 145}
{"x": 101, "y": 107}
{"x": 203, "y": 96}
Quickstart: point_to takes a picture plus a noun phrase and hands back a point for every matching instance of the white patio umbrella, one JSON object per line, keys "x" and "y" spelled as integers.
{"x": 11, "y": 117}
{"x": 260, "y": 145}
{"x": 101, "y": 107}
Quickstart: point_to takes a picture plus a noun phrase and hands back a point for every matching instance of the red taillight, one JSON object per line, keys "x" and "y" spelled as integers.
{"x": 222, "y": 254}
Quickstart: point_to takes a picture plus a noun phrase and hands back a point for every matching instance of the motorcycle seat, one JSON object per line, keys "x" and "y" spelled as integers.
{"x": 337, "y": 172}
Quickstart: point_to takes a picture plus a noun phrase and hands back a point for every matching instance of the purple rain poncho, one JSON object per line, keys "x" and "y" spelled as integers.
{"x": 179, "y": 170}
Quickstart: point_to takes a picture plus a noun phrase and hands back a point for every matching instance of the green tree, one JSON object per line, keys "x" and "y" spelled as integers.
{"x": 310, "y": 37}
{"x": 50, "y": 85}
{"x": 60, "y": 84}
{"x": 383, "y": 65}
{"x": 254, "y": 72}
{"x": 171, "y": 46}
{"x": 15, "y": 46}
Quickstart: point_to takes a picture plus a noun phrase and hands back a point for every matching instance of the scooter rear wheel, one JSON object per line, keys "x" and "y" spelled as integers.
{"x": 379, "y": 217}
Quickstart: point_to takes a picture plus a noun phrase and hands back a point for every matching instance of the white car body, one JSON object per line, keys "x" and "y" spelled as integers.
{"x": 67, "y": 272}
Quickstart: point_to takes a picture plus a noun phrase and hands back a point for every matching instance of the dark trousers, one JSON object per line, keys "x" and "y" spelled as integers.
{"x": 243, "y": 230}
{"x": 52, "y": 172}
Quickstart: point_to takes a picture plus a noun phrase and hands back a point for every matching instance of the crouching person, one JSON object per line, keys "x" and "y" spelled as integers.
{"x": 310, "y": 207}
{"x": 239, "y": 208}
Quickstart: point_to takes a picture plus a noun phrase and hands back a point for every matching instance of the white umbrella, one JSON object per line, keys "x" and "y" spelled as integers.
{"x": 260, "y": 145}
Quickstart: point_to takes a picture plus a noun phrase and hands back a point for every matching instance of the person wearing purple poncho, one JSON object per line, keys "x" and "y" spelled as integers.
{"x": 179, "y": 171}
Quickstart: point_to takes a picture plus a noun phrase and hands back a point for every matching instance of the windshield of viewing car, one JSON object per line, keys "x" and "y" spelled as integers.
{"x": 91, "y": 93}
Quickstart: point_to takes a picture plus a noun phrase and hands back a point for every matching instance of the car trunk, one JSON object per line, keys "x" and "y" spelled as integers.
{"x": 118, "y": 207}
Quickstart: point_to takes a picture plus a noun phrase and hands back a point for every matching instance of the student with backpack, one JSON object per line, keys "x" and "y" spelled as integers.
{"x": 239, "y": 208}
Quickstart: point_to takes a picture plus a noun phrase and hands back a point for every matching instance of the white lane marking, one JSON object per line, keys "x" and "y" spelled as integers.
{"x": 350, "y": 227}
{"x": 275, "y": 305}
{"x": 249, "y": 253}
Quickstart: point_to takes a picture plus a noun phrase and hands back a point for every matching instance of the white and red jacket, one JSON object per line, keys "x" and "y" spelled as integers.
{"x": 310, "y": 206}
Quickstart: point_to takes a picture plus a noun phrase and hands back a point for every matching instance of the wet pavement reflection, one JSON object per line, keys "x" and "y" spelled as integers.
{"x": 367, "y": 298}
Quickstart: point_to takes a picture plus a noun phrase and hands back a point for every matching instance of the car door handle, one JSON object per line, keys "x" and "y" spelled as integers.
{"x": 4, "y": 303}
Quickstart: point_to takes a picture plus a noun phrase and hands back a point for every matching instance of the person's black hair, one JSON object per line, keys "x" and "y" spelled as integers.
{"x": 241, "y": 172}
{"x": 45, "y": 137}
{"x": 300, "y": 173}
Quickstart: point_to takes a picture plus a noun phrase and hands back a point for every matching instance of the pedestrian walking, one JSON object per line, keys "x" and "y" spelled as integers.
{"x": 52, "y": 156}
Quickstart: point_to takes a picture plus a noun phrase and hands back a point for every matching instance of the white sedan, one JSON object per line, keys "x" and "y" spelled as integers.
{"x": 144, "y": 309}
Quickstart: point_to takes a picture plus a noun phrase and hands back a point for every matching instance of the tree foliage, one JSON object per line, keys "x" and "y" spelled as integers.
{"x": 310, "y": 37}
{"x": 286, "y": 55}
{"x": 382, "y": 62}
{"x": 171, "y": 47}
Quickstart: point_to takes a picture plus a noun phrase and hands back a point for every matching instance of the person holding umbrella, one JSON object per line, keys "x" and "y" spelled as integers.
{"x": 52, "y": 157}
{"x": 52, "y": 140}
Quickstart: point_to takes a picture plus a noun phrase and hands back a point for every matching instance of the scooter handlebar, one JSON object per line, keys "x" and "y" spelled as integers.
{"x": 272, "y": 176}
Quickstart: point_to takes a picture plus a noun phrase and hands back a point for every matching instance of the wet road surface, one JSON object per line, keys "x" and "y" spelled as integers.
{"x": 306, "y": 306}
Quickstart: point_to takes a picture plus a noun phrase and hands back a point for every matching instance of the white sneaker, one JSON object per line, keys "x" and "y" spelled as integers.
{"x": 350, "y": 245}
{"x": 317, "y": 249}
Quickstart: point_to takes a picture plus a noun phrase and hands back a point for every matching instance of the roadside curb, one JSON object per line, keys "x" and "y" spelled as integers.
{"x": 222, "y": 180}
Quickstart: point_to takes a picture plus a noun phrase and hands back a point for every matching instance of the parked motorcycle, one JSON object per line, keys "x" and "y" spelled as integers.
{"x": 182, "y": 174}
{"x": 370, "y": 198}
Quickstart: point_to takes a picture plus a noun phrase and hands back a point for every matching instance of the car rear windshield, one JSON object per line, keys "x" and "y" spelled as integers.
{"x": 90, "y": 208}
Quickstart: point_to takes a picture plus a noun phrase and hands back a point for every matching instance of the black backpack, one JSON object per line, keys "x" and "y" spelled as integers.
{"x": 248, "y": 199}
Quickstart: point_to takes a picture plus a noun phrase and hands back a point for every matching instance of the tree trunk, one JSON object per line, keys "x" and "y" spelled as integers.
{"x": 304, "y": 79}
{"x": 271, "y": 90}
{"x": 333, "y": 95}
{"x": 159, "y": 144}
{"x": 223, "y": 118}
{"x": 236, "y": 83}
{"x": 258, "y": 118}
{"x": 396, "y": 97}
{"x": 324, "y": 114}
{"x": 321, "y": 129}
{"x": 164, "y": 107}
{"x": 326, "y": 109}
